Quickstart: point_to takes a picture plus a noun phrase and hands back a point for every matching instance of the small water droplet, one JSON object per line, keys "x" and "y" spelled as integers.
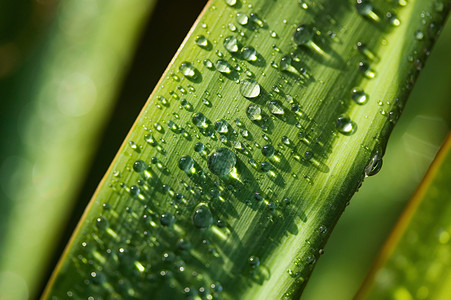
{"x": 199, "y": 147}
{"x": 359, "y": 96}
{"x": 202, "y": 216}
{"x": 254, "y": 261}
{"x": 265, "y": 166}
{"x": 374, "y": 165}
{"x": 286, "y": 140}
{"x": 366, "y": 70}
{"x": 257, "y": 20}
{"x": 249, "y": 88}
{"x": 221, "y": 161}
{"x": 365, "y": 8}
{"x": 393, "y": 19}
{"x": 254, "y": 112}
{"x": 345, "y": 125}
{"x": 167, "y": 219}
{"x": 419, "y": 35}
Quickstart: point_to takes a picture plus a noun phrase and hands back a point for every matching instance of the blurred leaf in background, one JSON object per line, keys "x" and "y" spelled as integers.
{"x": 61, "y": 67}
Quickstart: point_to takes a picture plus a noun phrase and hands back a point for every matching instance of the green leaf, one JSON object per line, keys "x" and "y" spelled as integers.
{"x": 414, "y": 263}
{"x": 175, "y": 217}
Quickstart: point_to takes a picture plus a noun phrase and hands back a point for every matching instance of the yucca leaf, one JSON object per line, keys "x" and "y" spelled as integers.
{"x": 194, "y": 202}
{"x": 54, "y": 105}
{"x": 414, "y": 263}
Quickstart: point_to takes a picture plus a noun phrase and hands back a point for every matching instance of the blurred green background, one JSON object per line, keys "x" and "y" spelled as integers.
{"x": 74, "y": 77}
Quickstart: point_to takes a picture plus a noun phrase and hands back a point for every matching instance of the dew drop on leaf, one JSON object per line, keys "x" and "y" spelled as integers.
{"x": 221, "y": 161}
{"x": 249, "y": 88}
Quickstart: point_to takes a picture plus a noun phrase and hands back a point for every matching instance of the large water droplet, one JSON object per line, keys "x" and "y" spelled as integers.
{"x": 223, "y": 66}
{"x": 188, "y": 70}
{"x": 231, "y": 44}
{"x": 345, "y": 125}
{"x": 222, "y": 126}
{"x": 242, "y": 18}
{"x": 139, "y": 166}
{"x": 221, "y": 162}
{"x": 254, "y": 261}
{"x": 231, "y": 2}
{"x": 254, "y": 112}
{"x": 202, "y": 41}
{"x": 200, "y": 120}
{"x": 250, "y": 88}
{"x": 268, "y": 150}
{"x": 202, "y": 216}
{"x": 186, "y": 163}
{"x": 249, "y": 54}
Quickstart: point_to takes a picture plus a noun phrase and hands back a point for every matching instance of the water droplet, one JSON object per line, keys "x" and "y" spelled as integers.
{"x": 254, "y": 112}
{"x": 231, "y": 44}
{"x": 150, "y": 139}
{"x": 365, "y": 8}
{"x": 200, "y": 120}
{"x": 273, "y": 34}
{"x": 303, "y": 36}
{"x": 244, "y": 132}
{"x": 222, "y": 126}
{"x": 231, "y": 2}
{"x": 199, "y": 147}
{"x": 249, "y": 54}
{"x": 286, "y": 140}
{"x": 221, "y": 162}
{"x": 276, "y": 108}
{"x": 265, "y": 166}
{"x": 188, "y": 70}
{"x": 393, "y": 19}
{"x": 249, "y": 88}
{"x": 102, "y": 223}
{"x": 223, "y": 66}
{"x": 256, "y": 19}
{"x": 202, "y": 216}
{"x": 366, "y": 70}
{"x": 308, "y": 155}
{"x": 206, "y": 102}
{"x": 365, "y": 51}
{"x": 254, "y": 261}
{"x": 139, "y": 166}
{"x": 167, "y": 219}
{"x": 208, "y": 64}
{"x": 268, "y": 150}
{"x": 285, "y": 65}
{"x": 242, "y": 18}
{"x": 419, "y": 35}
{"x": 186, "y": 163}
{"x": 202, "y": 41}
{"x": 359, "y": 96}
{"x": 374, "y": 165}
{"x": 345, "y": 125}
